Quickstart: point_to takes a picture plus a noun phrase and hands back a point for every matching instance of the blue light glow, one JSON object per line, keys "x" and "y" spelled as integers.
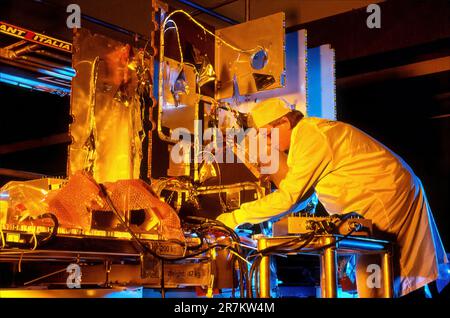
{"x": 126, "y": 293}
{"x": 32, "y": 84}
{"x": 363, "y": 245}
{"x": 70, "y": 71}
{"x": 346, "y": 294}
{"x": 66, "y": 71}
{"x": 56, "y": 73}
{"x": 4, "y": 195}
{"x": 8, "y": 81}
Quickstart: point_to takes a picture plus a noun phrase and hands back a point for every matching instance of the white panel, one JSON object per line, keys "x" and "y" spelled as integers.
{"x": 321, "y": 90}
{"x": 328, "y": 80}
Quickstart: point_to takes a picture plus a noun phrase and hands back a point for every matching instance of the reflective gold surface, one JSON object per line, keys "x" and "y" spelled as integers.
{"x": 178, "y": 107}
{"x": 266, "y": 33}
{"x": 387, "y": 275}
{"x": 264, "y": 271}
{"x": 107, "y": 122}
{"x": 328, "y": 275}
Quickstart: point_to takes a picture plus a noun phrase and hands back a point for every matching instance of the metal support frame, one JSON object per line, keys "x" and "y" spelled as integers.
{"x": 264, "y": 271}
{"x": 328, "y": 265}
{"x": 328, "y": 247}
{"x": 387, "y": 274}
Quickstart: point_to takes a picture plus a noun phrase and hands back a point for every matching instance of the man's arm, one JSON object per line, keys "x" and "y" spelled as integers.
{"x": 310, "y": 156}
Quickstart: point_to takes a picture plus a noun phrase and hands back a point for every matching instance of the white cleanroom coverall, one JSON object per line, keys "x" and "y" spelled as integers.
{"x": 352, "y": 172}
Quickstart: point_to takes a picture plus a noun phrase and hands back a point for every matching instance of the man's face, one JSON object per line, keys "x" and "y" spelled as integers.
{"x": 284, "y": 133}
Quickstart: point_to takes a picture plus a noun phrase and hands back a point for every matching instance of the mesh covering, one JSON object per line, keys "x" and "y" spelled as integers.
{"x": 74, "y": 203}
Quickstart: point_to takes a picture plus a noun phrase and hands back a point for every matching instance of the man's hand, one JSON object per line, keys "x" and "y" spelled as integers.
{"x": 228, "y": 219}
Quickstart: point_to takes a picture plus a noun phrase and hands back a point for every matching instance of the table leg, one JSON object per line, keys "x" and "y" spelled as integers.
{"x": 387, "y": 275}
{"x": 264, "y": 271}
{"x": 328, "y": 280}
